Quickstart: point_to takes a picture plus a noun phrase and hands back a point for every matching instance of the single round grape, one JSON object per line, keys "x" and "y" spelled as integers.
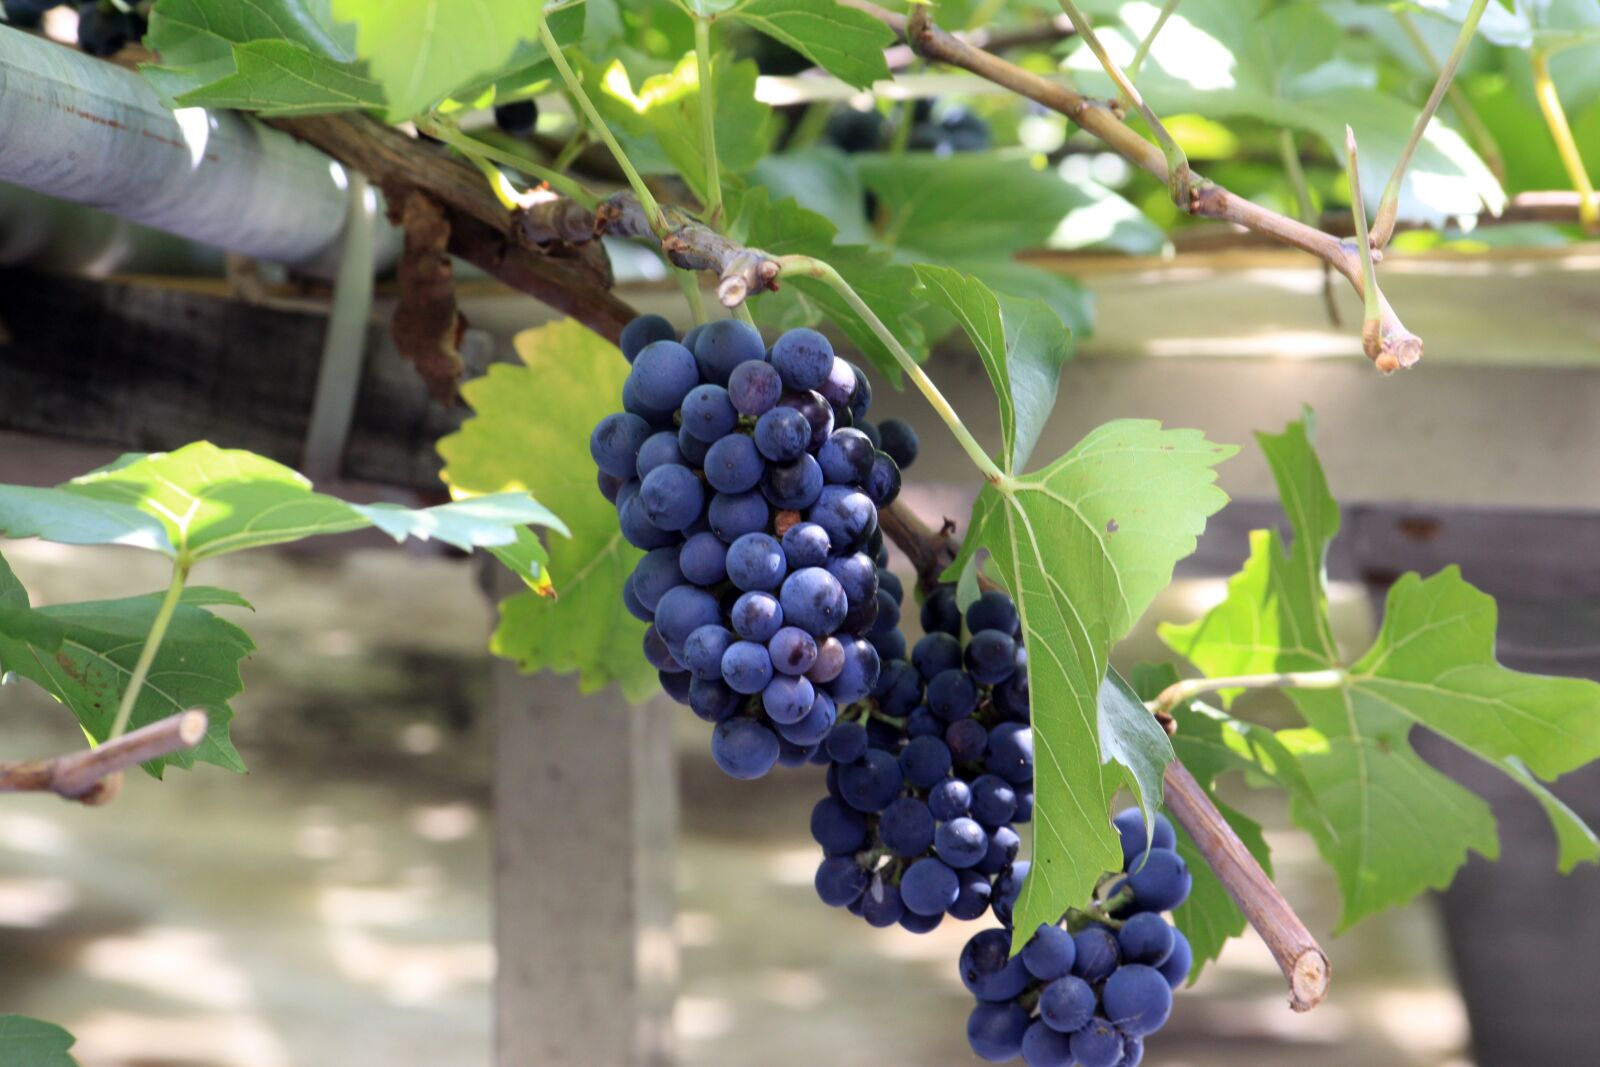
{"x": 793, "y": 755}
{"x": 881, "y": 904}
{"x": 840, "y": 387}
{"x": 708, "y": 414}
{"x": 805, "y": 544}
{"x": 906, "y": 828}
{"x": 830, "y": 661}
{"x": 1011, "y": 697}
{"x": 929, "y": 887}
{"x": 888, "y": 620}
{"x": 815, "y": 725}
{"x": 995, "y": 1031}
{"x": 635, "y": 606}
{"x": 899, "y": 440}
{"x": 1132, "y": 1051}
{"x": 1049, "y": 954}
{"x": 892, "y": 645}
{"x": 940, "y": 613}
{"x": 993, "y": 610}
{"x": 870, "y": 428}
{"x": 518, "y": 119}
{"x": 712, "y": 700}
{"x": 746, "y": 667}
{"x": 840, "y": 880}
{"x": 857, "y": 575}
{"x": 793, "y": 486}
{"x": 872, "y": 783}
{"x": 861, "y": 401}
{"x": 803, "y": 358}
{"x": 846, "y": 457}
{"x": 659, "y": 450}
{"x": 616, "y": 441}
{"x": 676, "y": 684}
{"x": 847, "y": 742}
{"x": 935, "y": 653}
{"x": 673, "y": 497}
{"x": 787, "y": 699}
{"x": 654, "y": 417}
{"x": 755, "y": 562}
{"x": 859, "y": 673}
{"x": 1145, "y": 938}
{"x": 882, "y": 483}
{"x": 1043, "y": 1047}
{"x": 782, "y": 435}
{"x": 988, "y": 969}
{"x": 642, "y": 331}
{"x": 663, "y": 373}
{"x": 837, "y": 827}
{"x": 754, "y": 387}
{"x": 636, "y": 527}
{"x": 744, "y": 748}
{"x": 1176, "y": 967}
{"x": 950, "y": 799}
{"x": 1007, "y": 888}
{"x": 913, "y": 923}
{"x": 732, "y": 515}
{"x": 1098, "y": 1044}
{"x": 608, "y": 485}
{"x": 1137, "y": 999}
{"x": 1067, "y": 1004}
{"x": 1130, "y": 827}
{"x": 926, "y": 761}
{"x": 1162, "y": 882}
{"x": 1098, "y": 954}
{"x": 961, "y": 842}
{"x": 655, "y": 573}
{"x": 967, "y": 740}
{"x": 847, "y": 514}
{"x": 816, "y": 412}
{"x": 1024, "y": 807}
{"x": 952, "y": 695}
{"x": 994, "y": 801}
{"x": 991, "y": 657}
{"x": 924, "y": 723}
{"x": 703, "y": 559}
{"x": 1010, "y": 752}
{"x": 889, "y": 582}
{"x": 1004, "y": 844}
{"x": 703, "y": 651}
{"x": 793, "y": 651}
{"x": 973, "y": 899}
{"x": 682, "y": 610}
{"x": 899, "y": 692}
{"x": 814, "y": 601}
{"x": 756, "y": 616}
{"x": 658, "y": 654}
{"x": 723, "y": 345}
{"x": 693, "y": 450}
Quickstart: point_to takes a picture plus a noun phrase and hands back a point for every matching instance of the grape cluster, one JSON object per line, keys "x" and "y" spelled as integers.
{"x": 104, "y": 29}
{"x": 927, "y": 781}
{"x": 750, "y": 480}
{"x": 1090, "y": 991}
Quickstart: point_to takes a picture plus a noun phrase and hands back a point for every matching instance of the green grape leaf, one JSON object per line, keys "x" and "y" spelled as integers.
{"x": 279, "y": 78}
{"x": 421, "y": 51}
{"x": 665, "y": 109}
{"x": 197, "y": 667}
{"x": 1389, "y": 824}
{"x": 51, "y": 515}
{"x": 208, "y": 501}
{"x": 1022, "y": 345}
{"x": 530, "y": 69}
{"x": 845, "y": 42}
{"x": 19, "y": 621}
{"x": 1083, "y": 546}
{"x": 26, "y": 1042}
{"x": 1133, "y": 743}
{"x": 530, "y": 431}
{"x": 891, "y": 290}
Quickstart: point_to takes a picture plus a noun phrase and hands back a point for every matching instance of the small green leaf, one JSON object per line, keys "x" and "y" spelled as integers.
{"x": 1022, "y": 345}
{"x": 845, "y": 42}
{"x": 1133, "y": 743}
{"x": 26, "y": 1042}
{"x": 279, "y": 78}
{"x": 421, "y": 51}
{"x": 967, "y": 587}
{"x": 498, "y": 522}
{"x": 530, "y": 430}
{"x": 1083, "y": 546}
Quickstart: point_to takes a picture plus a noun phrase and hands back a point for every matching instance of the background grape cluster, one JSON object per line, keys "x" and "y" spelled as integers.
{"x": 104, "y": 29}
{"x": 751, "y": 479}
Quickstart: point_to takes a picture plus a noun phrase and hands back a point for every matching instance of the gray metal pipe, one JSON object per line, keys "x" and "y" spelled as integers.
{"x": 79, "y": 129}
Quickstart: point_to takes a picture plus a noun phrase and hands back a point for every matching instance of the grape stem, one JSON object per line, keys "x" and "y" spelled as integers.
{"x": 152, "y": 645}
{"x": 808, "y": 267}
{"x": 483, "y": 154}
{"x": 1372, "y": 319}
{"x": 1182, "y": 692}
{"x": 708, "y": 124}
{"x": 93, "y": 776}
{"x": 1555, "y": 117}
{"x": 1388, "y": 207}
{"x": 1482, "y": 140}
{"x": 1304, "y": 964}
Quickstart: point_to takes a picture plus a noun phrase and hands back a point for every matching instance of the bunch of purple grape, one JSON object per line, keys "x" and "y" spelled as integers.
{"x": 752, "y": 482}
{"x": 1090, "y": 991}
{"x": 927, "y": 781}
